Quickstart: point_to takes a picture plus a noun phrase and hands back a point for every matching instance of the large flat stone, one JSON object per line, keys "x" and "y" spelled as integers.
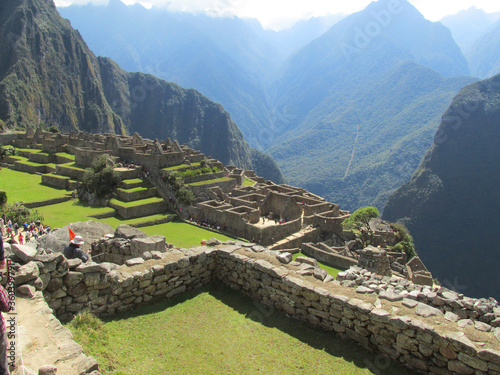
{"x": 26, "y": 253}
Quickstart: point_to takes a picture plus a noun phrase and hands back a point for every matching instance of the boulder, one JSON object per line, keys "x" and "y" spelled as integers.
{"x": 26, "y": 273}
{"x": 26, "y": 253}
{"x": 127, "y": 232}
{"x": 90, "y": 231}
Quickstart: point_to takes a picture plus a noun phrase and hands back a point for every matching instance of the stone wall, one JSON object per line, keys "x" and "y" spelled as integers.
{"x": 119, "y": 250}
{"x": 56, "y": 181}
{"x": 328, "y": 257}
{"x": 427, "y": 344}
{"x": 129, "y": 196}
{"x": 139, "y": 211}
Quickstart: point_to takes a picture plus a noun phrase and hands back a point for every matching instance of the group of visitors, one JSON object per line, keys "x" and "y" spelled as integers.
{"x": 13, "y": 233}
{"x": 208, "y": 224}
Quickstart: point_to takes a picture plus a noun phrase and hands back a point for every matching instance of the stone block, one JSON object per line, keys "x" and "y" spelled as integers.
{"x": 26, "y": 253}
{"x": 139, "y": 246}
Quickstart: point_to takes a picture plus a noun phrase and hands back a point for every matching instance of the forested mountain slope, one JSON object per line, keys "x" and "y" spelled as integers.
{"x": 452, "y": 202}
{"x": 49, "y": 76}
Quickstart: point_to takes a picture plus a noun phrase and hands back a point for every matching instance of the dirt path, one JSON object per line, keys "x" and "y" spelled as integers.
{"x": 43, "y": 340}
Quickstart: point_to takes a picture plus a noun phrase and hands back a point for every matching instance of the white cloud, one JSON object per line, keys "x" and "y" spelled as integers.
{"x": 282, "y": 13}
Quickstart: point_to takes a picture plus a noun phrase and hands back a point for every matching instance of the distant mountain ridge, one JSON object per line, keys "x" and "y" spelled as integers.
{"x": 365, "y": 101}
{"x": 348, "y": 116}
{"x": 48, "y": 75}
{"x": 452, "y": 202}
{"x": 477, "y": 34}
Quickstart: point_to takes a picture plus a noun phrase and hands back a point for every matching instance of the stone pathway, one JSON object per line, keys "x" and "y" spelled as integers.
{"x": 44, "y": 341}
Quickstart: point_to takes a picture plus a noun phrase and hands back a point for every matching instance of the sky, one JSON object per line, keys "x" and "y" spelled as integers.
{"x": 279, "y": 14}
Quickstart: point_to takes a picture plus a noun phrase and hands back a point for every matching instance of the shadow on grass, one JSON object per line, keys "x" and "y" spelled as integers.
{"x": 318, "y": 339}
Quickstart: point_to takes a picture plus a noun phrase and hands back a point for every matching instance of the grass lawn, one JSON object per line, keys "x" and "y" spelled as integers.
{"x": 26, "y": 187}
{"x": 136, "y": 203}
{"x": 248, "y": 182}
{"x": 210, "y": 181}
{"x": 331, "y": 271}
{"x": 182, "y": 234}
{"x": 219, "y": 331}
{"x": 175, "y": 167}
{"x": 115, "y": 221}
{"x": 65, "y": 155}
{"x": 72, "y": 211}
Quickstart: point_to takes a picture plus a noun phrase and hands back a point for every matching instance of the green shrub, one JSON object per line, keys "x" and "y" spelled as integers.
{"x": 20, "y": 214}
{"x": 53, "y": 129}
{"x": 185, "y": 196}
{"x": 361, "y": 217}
{"x": 7, "y": 151}
{"x": 404, "y": 240}
{"x": 3, "y": 198}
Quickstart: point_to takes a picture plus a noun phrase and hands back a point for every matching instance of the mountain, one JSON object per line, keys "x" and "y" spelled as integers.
{"x": 467, "y": 26}
{"x": 359, "y": 105}
{"x": 220, "y": 57}
{"x": 452, "y": 202}
{"x": 484, "y": 56}
{"x": 228, "y": 59}
{"x": 49, "y": 75}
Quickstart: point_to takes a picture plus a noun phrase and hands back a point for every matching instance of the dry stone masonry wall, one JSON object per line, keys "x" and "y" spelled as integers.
{"x": 428, "y": 343}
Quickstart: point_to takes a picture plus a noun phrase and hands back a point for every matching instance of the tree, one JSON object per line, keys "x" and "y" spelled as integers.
{"x": 404, "y": 240}
{"x": 6, "y": 151}
{"x": 101, "y": 179}
{"x": 20, "y": 214}
{"x": 185, "y": 196}
{"x": 361, "y": 217}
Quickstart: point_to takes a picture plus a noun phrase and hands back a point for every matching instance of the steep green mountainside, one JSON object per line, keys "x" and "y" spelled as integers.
{"x": 467, "y": 26}
{"x": 356, "y": 157}
{"x": 484, "y": 56}
{"x": 49, "y": 75}
{"x": 361, "y": 110}
{"x": 220, "y": 57}
{"x": 228, "y": 59}
{"x": 452, "y": 202}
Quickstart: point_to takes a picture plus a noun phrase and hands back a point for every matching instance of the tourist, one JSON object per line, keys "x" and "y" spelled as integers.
{"x": 21, "y": 238}
{"x": 73, "y": 250}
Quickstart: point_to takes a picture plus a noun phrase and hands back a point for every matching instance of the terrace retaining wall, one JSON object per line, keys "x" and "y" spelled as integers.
{"x": 70, "y": 287}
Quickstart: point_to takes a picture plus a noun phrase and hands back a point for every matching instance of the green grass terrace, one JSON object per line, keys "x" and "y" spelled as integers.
{"x": 216, "y": 330}
{"x": 210, "y": 181}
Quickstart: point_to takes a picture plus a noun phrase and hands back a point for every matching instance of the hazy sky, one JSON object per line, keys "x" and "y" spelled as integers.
{"x": 278, "y": 14}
